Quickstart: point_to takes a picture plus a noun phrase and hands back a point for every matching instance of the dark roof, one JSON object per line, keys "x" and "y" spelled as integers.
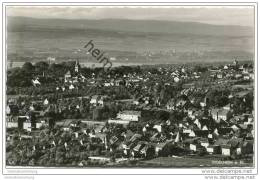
{"x": 135, "y": 136}
{"x": 68, "y": 73}
{"x": 225, "y": 130}
{"x": 201, "y": 133}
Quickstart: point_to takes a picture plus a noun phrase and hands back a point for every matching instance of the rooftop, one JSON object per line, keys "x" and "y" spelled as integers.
{"x": 138, "y": 113}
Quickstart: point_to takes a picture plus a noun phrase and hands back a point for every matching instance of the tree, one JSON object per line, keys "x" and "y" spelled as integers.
{"x": 19, "y": 78}
{"x": 57, "y": 70}
{"x": 28, "y": 67}
{"x": 41, "y": 67}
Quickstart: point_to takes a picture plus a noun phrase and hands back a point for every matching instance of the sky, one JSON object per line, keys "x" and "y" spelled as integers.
{"x": 239, "y": 15}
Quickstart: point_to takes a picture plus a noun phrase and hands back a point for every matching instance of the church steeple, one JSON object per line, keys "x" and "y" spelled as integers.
{"x": 235, "y": 63}
{"x": 77, "y": 66}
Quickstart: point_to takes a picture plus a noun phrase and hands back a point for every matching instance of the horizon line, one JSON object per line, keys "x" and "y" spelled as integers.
{"x": 127, "y": 19}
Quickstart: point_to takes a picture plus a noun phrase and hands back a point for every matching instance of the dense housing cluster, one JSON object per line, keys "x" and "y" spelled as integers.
{"x": 62, "y": 114}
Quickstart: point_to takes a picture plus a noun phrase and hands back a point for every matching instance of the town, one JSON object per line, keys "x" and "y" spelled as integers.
{"x": 170, "y": 115}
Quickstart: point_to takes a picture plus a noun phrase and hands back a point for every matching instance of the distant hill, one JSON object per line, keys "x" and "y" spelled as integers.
{"x": 146, "y": 26}
{"x": 31, "y": 38}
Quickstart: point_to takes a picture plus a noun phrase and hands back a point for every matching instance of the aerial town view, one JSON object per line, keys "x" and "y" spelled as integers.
{"x": 138, "y": 87}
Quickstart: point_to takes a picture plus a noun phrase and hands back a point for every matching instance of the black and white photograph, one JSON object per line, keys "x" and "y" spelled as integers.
{"x": 135, "y": 86}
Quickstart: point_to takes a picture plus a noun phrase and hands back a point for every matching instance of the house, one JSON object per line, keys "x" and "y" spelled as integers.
{"x": 21, "y": 120}
{"x": 181, "y": 102}
{"x": 246, "y": 77}
{"x": 136, "y": 102}
{"x": 12, "y": 124}
{"x": 113, "y": 140}
{"x": 176, "y": 79}
{"x": 36, "y": 82}
{"x": 101, "y": 101}
{"x": 99, "y": 159}
{"x": 203, "y": 104}
{"x": 219, "y": 75}
{"x": 238, "y": 76}
{"x": 233, "y": 146}
{"x": 205, "y": 128}
{"x": 197, "y": 122}
{"x": 252, "y": 75}
{"x": 178, "y": 138}
{"x": 8, "y": 110}
{"x": 188, "y": 131}
{"x": 107, "y": 84}
{"x": 194, "y": 146}
{"x": 94, "y": 100}
{"x": 135, "y": 137}
{"x": 117, "y": 82}
{"x": 226, "y": 150}
{"x": 27, "y": 126}
{"x": 225, "y": 67}
{"x": 188, "y": 141}
{"x": 250, "y": 120}
{"x": 204, "y": 142}
{"x": 159, "y": 147}
{"x": 82, "y": 78}
{"x": 40, "y": 124}
{"x": 220, "y": 114}
{"x": 118, "y": 121}
{"x": 158, "y": 128}
{"x": 213, "y": 149}
{"x": 71, "y": 87}
{"x": 45, "y": 102}
{"x": 136, "y": 152}
{"x": 129, "y": 115}
{"x": 67, "y": 77}
{"x": 97, "y": 100}
{"x": 191, "y": 113}
{"x": 235, "y": 127}
{"x": 192, "y": 134}
{"x": 170, "y": 104}
{"x": 128, "y": 135}
{"x": 12, "y": 110}
{"x": 75, "y": 79}
{"x": 227, "y": 107}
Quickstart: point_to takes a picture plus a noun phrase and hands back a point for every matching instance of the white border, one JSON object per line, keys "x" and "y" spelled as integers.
{"x": 28, "y": 170}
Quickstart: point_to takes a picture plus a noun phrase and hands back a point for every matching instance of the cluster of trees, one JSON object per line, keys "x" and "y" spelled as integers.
{"x": 220, "y": 98}
{"x": 22, "y": 76}
{"x": 243, "y": 105}
{"x": 217, "y": 98}
{"x": 40, "y": 151}
{"x": 199, "y": 68}
{"x": 18, "y": 77}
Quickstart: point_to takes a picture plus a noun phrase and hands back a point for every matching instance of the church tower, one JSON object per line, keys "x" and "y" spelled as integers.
{"x": 77, "y": 66}
{"x": 235, "y": 63}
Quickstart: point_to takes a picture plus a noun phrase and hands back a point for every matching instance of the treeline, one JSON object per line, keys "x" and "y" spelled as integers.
{"x": 49, "y": 73}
